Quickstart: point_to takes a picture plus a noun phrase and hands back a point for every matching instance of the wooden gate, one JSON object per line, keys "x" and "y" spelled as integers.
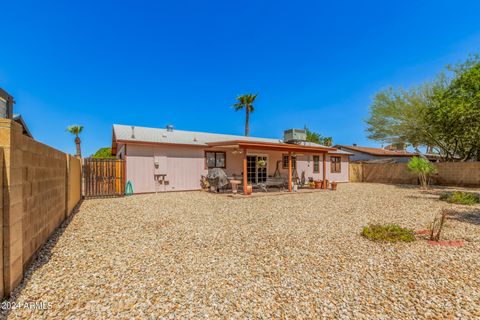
{"x": 104, "y": 177}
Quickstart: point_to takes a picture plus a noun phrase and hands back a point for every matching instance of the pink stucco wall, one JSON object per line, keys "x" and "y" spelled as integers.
{"x": 185, "y": 165}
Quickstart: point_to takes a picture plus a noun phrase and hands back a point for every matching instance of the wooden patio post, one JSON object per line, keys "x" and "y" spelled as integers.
{"x": 289, "y": 171}
{"x": 244, "y": 171}
{"x": 324, "y": 170}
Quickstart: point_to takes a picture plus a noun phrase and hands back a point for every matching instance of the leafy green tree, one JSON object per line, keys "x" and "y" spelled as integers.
{"x": 397, "y": 116}
{"x": 313, "y": 136}
{"x": 442, "y": 115}
{"x": 454, "y": 113}
{"x": 423, "y": 169}
{"x": 103, "y": 153}
{"x": 245, "y": 101}
{"x": 76, "y": 130}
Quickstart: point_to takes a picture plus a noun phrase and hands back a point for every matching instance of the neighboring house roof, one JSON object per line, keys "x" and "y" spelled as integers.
{"x": 132, "y": 134}
{"x": 378, "y": 151}
{"x": 18, "y": 118}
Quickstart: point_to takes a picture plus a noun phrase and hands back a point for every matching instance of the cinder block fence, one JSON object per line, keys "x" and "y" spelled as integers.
{"x": 462, "y": 174}
{"x": 40, "y": 187}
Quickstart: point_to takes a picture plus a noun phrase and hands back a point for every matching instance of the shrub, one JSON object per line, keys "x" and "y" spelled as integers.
{"x": 460, "y": 197}
{"x": 422, "y": 168}
{"x": 388, "y": 232}
{"x": 103, "y": 153}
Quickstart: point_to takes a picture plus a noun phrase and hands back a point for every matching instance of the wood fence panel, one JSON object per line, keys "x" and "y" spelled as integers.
{"x": 104, "y": 177}
{"x": 355, "y": 172}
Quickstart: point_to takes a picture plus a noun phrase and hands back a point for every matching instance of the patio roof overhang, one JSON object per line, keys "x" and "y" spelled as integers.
{"x": 287, "y": 147}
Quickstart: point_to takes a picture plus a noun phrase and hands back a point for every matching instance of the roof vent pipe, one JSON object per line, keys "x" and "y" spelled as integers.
{"x": 169, "y": 127}
{"x": 133, "y": 132}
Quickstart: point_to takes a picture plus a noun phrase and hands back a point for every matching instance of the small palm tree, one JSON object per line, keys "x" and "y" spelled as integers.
{"x": 76, "y": 130}
{"x": 245, "y": 101}
{"x": 328, "y": 141}
{"x": 422, "y": 168}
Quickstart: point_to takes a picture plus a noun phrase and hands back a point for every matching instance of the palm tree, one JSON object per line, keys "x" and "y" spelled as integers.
{"x": 76, "y": 130}
{"x": 327, "y": 141}
{"x": 245, "y": 101}
{"x": 423, "y": 169}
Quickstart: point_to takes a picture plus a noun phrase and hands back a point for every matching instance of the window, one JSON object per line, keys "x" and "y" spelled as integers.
{"x": 316, "y": 164}
{"x": 285, "y": 162}
{"x": 336, "y": 164}
{"x": 215, "y": 160}
{"x": 3, "y": 108}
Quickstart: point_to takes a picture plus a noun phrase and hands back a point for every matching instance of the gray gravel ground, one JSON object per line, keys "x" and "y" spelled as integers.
{"x": 199, "y": 255}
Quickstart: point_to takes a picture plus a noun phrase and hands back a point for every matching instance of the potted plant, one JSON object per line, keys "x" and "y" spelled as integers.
{"x": 261, "y": 163}
{"x": 318, "y": 184}
{"x": 334, "y": 185}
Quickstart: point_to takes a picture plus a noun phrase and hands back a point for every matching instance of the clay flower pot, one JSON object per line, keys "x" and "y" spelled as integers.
{"x": 318, "y": 184}
{"x": 249, "y": 190}
{"x": 334, "y": 185}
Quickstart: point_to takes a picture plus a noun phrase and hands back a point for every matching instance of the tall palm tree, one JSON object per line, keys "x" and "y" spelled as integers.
{"x": 245, "y": 101}
{"x": 76, "y": 130}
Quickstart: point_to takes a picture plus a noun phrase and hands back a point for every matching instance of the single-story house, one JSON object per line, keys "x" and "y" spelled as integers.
{"x": 170, "y": 160}
{"x": 369, "y": 154}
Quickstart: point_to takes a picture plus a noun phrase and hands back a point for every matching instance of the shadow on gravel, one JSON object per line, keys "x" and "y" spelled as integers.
{"x": 472, "y": 216}
{"x": 41, "y": 258}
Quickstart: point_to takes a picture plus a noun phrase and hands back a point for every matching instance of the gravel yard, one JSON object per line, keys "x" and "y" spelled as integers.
{"x": 194, "y": 254}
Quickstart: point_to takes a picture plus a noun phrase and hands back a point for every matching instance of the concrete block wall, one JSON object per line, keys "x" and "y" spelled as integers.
{"x": 36, "y": 196}
{"x": 2, "y": 291}
{"x": 463, "y": 174}
{"x": 74, "y": 182}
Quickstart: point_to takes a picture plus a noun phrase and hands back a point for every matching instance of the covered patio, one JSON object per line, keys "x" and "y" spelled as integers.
{"x": 310, "y": 159}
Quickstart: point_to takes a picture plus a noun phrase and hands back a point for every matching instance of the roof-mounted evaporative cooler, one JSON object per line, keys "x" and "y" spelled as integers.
{"x": 294, "y": 135}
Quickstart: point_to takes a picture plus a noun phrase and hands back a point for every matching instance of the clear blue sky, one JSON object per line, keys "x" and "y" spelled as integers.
{"x": 150, "y": 63}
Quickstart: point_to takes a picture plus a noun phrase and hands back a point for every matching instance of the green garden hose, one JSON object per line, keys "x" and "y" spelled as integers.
{"x": 128, "y": 188}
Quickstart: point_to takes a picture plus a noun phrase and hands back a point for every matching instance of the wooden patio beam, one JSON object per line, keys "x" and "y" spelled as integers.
{"x": 289, "y": 171}
{"x": 324, "y": 171}
{"x": 244, "y": 171}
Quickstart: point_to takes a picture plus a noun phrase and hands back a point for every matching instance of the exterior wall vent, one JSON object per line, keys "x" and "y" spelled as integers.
{"x": 294, "y": 135}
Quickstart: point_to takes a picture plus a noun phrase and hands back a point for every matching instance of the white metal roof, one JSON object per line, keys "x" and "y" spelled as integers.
{"x": 159, "y": 135}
